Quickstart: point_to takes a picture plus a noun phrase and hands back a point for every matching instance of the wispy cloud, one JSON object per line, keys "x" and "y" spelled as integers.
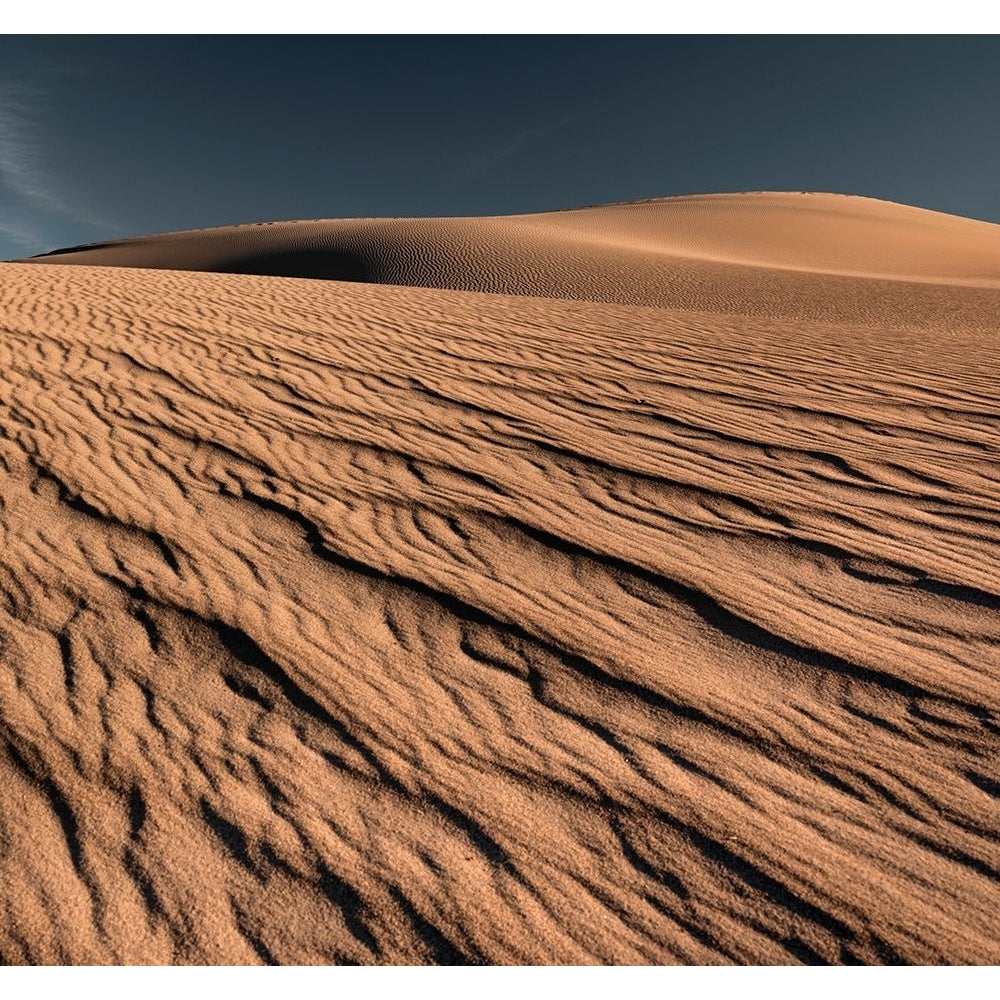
{"x": 494, "y": 157}
{"x": 24, "y": 176}
{"x": 25, "y": 237}
{"x": 528, "y": 137}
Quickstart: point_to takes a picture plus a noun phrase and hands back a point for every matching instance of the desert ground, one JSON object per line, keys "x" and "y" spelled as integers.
{"x": 617, "y": 585}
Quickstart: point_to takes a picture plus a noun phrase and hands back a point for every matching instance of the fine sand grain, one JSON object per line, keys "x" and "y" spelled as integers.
{"x": 648, "y": 613}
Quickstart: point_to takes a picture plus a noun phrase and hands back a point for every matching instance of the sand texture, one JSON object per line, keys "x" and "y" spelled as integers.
{"x": 658, "y": 622}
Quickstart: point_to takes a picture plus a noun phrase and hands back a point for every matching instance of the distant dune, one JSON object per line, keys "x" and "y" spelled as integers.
{"x": 819, "y": 256}
{"x": 647, "y": 612}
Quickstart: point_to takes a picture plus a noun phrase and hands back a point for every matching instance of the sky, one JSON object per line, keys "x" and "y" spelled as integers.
{"x": 110, "y": 136}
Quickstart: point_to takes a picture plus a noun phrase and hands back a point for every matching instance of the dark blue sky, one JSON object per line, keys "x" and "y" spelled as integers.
{"x": 106, "y": 136}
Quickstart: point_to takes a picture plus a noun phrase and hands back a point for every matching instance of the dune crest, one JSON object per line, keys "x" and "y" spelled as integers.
{"x": 358, "y": 623}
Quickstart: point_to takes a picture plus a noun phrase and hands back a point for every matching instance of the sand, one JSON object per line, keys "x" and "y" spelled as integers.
{"x": 817, "y": 257}
{"x": 646, "y": 612}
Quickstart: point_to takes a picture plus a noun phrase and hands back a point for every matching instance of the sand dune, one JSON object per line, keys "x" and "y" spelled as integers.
{"x": 809, "y": 256}
{"x": 357, "y": 623}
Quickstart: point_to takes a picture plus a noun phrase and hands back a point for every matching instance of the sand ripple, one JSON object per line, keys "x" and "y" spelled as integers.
{"x": 346, "y": 623}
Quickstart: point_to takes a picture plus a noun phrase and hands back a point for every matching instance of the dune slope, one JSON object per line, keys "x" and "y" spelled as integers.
{"x": 809, "y": 256}
{"x": 349, "y": 623}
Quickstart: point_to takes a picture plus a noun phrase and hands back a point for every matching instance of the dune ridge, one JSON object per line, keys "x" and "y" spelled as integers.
{"x": 344, "y": 622}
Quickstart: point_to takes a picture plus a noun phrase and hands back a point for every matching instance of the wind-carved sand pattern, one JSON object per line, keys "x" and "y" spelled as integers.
{"x": 355, "y": 623}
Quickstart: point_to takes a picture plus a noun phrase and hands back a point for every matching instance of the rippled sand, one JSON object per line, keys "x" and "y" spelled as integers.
{"x": 347, "y": 622}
